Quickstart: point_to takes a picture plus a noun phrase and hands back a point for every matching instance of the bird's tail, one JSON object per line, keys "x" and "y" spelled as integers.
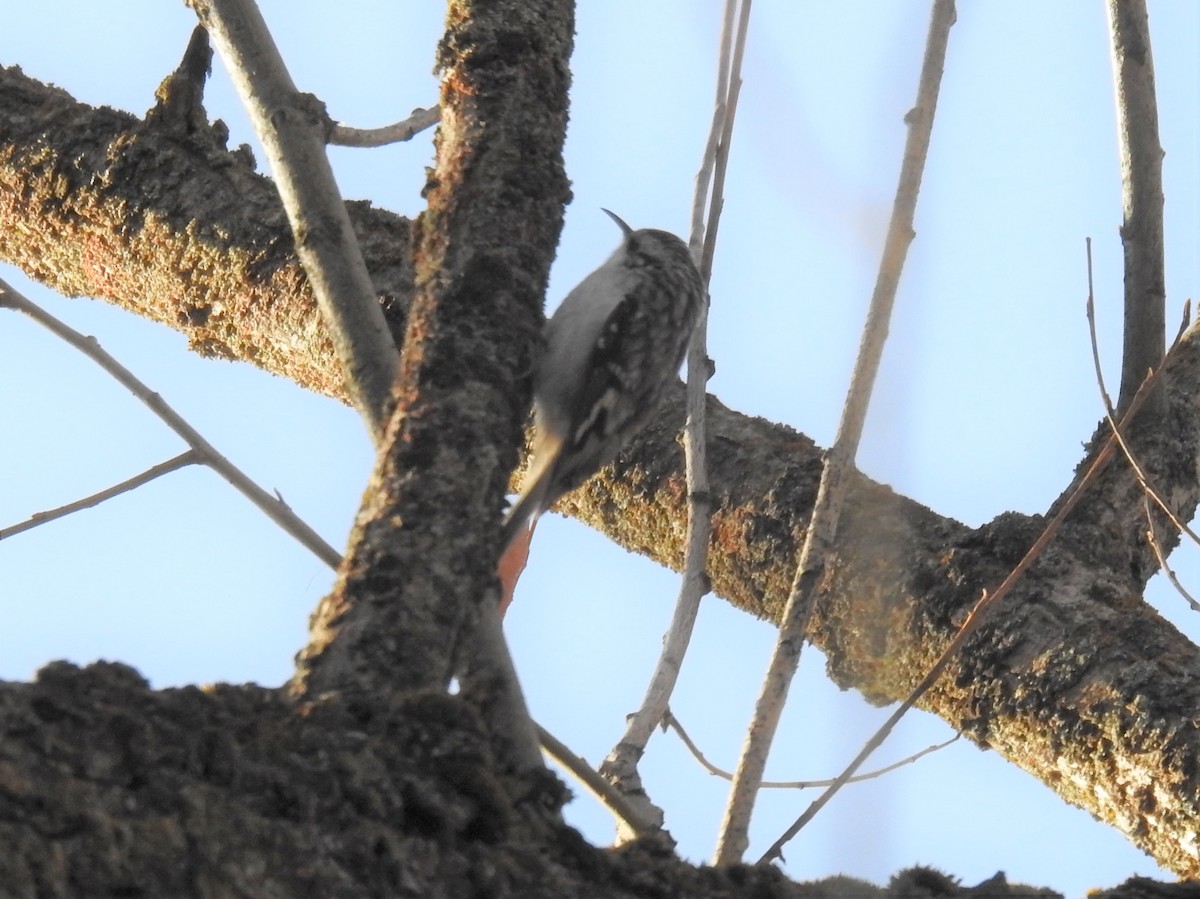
{"x": 535, "y": 493}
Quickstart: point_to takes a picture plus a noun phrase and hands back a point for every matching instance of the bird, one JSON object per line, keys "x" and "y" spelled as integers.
{"x": 611, "y": 349}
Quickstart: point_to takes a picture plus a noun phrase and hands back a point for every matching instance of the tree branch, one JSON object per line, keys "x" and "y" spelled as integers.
{"x": 831, "y": 494}
{"x": 184, "y": 459}
{"x": 205, "y": 453}
{"x": 986, "y": 605}
{"x": 620, "y": 766}
{"x": 673, "y": 723}
{"x": 415, "y": 604}
{"x": 1141, "y": 194}
{"x": 293, "y": 129}
{"x": 397, "y": 132}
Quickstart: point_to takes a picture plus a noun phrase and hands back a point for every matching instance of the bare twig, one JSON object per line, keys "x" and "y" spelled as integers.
{"x": 620, "y": 767}
{"x": 822, "y": 528}
{"x": 397, "y": 132}
{"x": 669, "y": 720}
{"x": 1105, "y": 397}
{"x": 700, "y": 198}
{"x": 1156, "y": 546}
{"x": 190, "y": 457}
{"x": 977, "y": 614}
{"x": 293, "y": 128}
{"x": 723, "y": 118}
{"x": 1142, "y": 195}
{"x": 274, "y": 508}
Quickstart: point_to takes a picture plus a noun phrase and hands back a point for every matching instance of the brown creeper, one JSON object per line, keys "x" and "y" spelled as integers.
{"x": 612, "y": 348}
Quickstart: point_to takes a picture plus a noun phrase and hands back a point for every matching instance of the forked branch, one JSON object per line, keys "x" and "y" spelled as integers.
{"x": 273, "y": 507}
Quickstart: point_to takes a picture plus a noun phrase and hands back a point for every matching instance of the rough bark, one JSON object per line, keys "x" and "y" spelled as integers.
{"x": 171, "y": 226}
{"x": 108, "y": 788}
{"x": 1076, "y": 680}
{"x": 411, "y": 608}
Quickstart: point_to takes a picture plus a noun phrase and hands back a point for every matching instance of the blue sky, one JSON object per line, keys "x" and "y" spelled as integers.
{"x": 984, "y": 399}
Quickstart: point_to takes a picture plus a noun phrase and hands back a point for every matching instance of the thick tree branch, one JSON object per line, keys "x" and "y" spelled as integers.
{"x": 1076, "y": 681}
{"x": 415, "y": 602}
{"x": 110, "y": 788}
{"x": 95, "y": 202}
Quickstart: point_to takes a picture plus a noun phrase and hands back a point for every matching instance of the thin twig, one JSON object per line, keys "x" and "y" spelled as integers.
{"x": 620, "y": 767}
{"x": 986, "y": 602}
{"x": 734, "y": 837}
{"x": 272, "y": 507}
{"x": 729, "y": 89}
{"x": 293, "y": 128}
{"x": 669, "y": 720}
{"x": 190, "y": 457}
{"x": 709, "y": 158}
{"x": 1091, "y": 318}
{"x": 397, "y": 132}
{"x": 1141, "y": 157}
{"x": 1156, "y": 546}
